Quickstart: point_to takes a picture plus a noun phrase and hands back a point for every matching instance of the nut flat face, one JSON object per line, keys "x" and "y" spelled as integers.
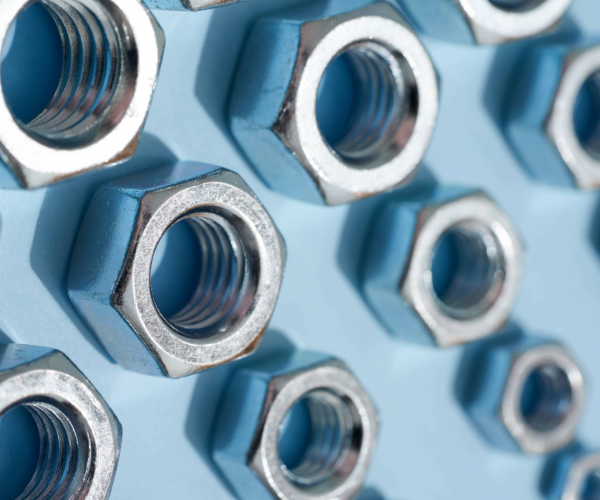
{"x": 363, "y": 163}
{"x": 62, "y": 401}
{"x": 224, "y": 320}
{"x": 88, "y": 124}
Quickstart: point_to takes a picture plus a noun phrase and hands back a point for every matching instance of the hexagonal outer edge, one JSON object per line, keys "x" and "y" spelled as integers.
{"x": 565, "y": 460}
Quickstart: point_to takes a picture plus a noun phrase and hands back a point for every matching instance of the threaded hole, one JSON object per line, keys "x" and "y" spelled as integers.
{"x": 204, "y": 274}
{"x": 517, "y": 5}
{"x": 546, "y": 398}
{"x": 97, "y": 60}
{"x": 591, "y": 486}
{"x": 586, "y": 116}
{"x": 467, "y": 270}
{"x": 367, "y": 104}
{"x": 63, "y": 463}
{"x": 319, "y": 440}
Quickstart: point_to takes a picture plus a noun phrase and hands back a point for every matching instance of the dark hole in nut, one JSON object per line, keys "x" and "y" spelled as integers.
{"x": 517, "y": 5}
{"x": 591, "y": 486}
{"x": 586, "y": 117}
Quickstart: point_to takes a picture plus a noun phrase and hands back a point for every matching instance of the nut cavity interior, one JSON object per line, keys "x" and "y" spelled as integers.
{"x": 517, "y": 5}
{"x": 590, "y": 489}
{"x": 586, "y": 115}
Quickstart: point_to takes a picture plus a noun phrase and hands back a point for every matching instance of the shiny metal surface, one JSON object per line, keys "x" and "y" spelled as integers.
{"x": 193, "y": 5}
{"x": 80, "y": 437}
{"x": 344, "y": 426}
{"x": 112, "y": 53}
{"x": 398, "y": 275}
{"x": 274, "y": 104}
{"x": 242, "y": 256}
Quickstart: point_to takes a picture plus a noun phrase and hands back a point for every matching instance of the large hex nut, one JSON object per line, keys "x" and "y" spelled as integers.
{"x": 80, "y": 437}
{"x": 531, "y": 396}
{"x": 246, "y": 443}
{"x": 558, "y": 87}
{"x": 483, "y": 280}
{"x": 485, "y": 22}
{"x": 274, "y": 103}
{"x": 576, "y": 475}
{"x": 96, "y": 116}
{"x": 242, "y": 260}
{"x": 193, "y": 5}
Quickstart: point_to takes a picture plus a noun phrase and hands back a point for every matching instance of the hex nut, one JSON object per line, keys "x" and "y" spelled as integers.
{"x": 485, "y": 22}
{"x": 531, "y": 396}
{"x": 577, "y": 471}
{"x": 96, "y": 116}
{"x": 79, "y": 434}
{"x": 242, "y": 261}
{"x": 246, "y": 439}
{"x": 398, "y": 280}
{"x": 193, "y": 5}
{"x": 542, "y": 126}
{"x": 274, "y": 103}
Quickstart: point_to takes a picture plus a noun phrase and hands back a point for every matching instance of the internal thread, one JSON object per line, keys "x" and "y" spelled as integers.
{"x": 89, "y": 82}
{"x": 332, "y": 440}
{"x": 65, "y": 461}
{"x": 517, "y": 5}
{"x": 223, "y": 294}
{"x": 384, "y": 115}
{"x": 478, "y": 274}
{"x": 550, "y": 398}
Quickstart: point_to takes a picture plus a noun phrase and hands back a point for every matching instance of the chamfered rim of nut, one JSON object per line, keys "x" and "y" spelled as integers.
{"x": 37, "y": 163}
{"x": 416, "y": 287}
{"x": 137, "y": 304}
{"x": 530, "y": 440}
{"x": 560, "y": 126}
{"x": 578, "y": 473}
{"x": 380, "y": 24}
{"x": 289, "y": 389}
{"x": 492, "y": 24}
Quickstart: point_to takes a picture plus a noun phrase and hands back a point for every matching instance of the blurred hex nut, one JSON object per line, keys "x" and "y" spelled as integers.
{"x": 80, "y": 437}
{"x": 577, "y": 475}
{"x": 187, "y": 4}
{"x": 274, "y": 104}
{"x": 472, "y": 295}
{"x": 554, "y": 124}
{"x": 97, "y": 113}
{"x": 242, "y": 257}
{"x": 485, "y": 22}
{"x": 531, "y": 396}
{"x": 258, "y": 405}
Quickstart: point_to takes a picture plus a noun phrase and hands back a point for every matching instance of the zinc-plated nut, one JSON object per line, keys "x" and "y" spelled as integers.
{"x": 246, "y": 445}
{"x": 96, "y": 116}
{"x": 194, "y": 5}
{"x": 274, "y": 104}
{"x": 242, "y": 260}
{"x": 558, "y": 86}
{"x": 577, "y": 476}
{"x": 80, "y": 437}
{"x": 484, "y": 280}
{"x": 485, "y": 22}
{"x": 531, "y": 396}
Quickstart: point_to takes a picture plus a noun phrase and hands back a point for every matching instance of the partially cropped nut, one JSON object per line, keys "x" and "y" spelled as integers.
{"x": 312, "y": 399}
{"x": 274, "y": 108}
{"x": 80, "y": 437}
{"x": 577, "y": 475}
{"x": 241, "y": 260}
{"x": 555, "y": 121}
{"x": 472, "y": 296}
{"x": 112, "y": 53}
{"x": 187, "y": 4}
{"x": 486, "y": 22}
{"x": 531, "y": 396}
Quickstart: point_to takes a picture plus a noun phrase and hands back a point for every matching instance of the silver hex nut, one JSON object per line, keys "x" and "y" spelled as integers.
{"x": 480, "y": 282}
{"x": 554, "y": 125}
{"x": 242, "y": 257}
{"x": 274, "y": 113}
{"x": 96, "y": 116}
{"x": 79, "y": 434}
{"x": 257, "y": 405}
{"x": 576, "y": 475}
{"x": 531, "y": 396}
{"x": 485, "y": 22}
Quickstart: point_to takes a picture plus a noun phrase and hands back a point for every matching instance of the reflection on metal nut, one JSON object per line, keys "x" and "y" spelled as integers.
{"x": 80, "y": 437}
{"x": 242, "y": 255}
{"x": 187, "y": 4}
{"x": 577, "y": 475}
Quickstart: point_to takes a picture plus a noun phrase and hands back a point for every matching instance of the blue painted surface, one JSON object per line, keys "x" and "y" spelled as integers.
{"x": 428, "y": 447}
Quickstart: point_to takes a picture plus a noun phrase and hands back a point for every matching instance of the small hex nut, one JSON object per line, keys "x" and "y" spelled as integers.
{"x": 577, "y": 471}
{"x": 193, "y": 5}
{"x": 242, "y": 261}
{"x": 96, "y": 116}
{"x": 68, "y": 409}
{"x": 246, "y": 439}
{"x": 274, "y": 103}
{"x": 531, "y": 396}
{"x": 485, "y": 22}
{"x": 399, "y": 279}
{"x": 543, "y": 126}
